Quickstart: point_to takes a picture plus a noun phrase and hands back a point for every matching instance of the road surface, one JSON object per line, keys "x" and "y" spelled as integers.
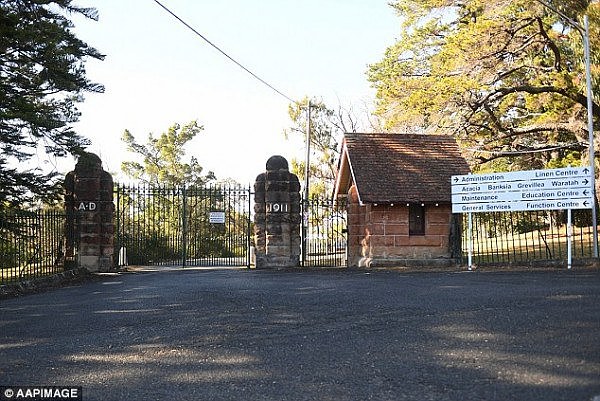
{"x": 310, "y": 335}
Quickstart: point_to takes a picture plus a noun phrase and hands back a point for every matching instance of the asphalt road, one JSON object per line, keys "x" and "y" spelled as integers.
{"x": 311, "y": 335}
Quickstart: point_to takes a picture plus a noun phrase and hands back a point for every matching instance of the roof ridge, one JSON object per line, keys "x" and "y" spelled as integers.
{"x": 398, "y": 134}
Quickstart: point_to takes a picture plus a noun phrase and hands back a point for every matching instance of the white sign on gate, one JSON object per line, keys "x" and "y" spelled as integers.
{"x": 563, "y": 188}
{"x": 216, "y": 218}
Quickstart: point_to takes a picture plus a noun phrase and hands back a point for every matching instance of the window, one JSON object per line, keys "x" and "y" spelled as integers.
{"x": 416, "y": 219}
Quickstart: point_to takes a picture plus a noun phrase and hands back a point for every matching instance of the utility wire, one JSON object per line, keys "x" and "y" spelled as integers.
{"x": 225, "y": 54}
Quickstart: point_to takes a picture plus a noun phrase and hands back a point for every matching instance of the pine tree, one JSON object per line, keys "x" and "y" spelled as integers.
{"x": 163, "y": 158}
{"x": 42, "y": 78}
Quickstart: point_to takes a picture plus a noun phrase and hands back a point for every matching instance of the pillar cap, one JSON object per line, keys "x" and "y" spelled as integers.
{"x": 277, "y": 163}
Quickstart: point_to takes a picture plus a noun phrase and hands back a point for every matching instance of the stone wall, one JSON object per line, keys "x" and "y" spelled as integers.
{"x": 90, "y": 215}
{"x": 277, "y": 216}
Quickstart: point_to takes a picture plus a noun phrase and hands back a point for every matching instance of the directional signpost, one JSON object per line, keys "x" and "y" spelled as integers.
{"x": 562, "y": 188}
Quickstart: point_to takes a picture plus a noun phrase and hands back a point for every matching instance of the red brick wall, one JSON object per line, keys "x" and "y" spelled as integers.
{"x": 381, "y": 232}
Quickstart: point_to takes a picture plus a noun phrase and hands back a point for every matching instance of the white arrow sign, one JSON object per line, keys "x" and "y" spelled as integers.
{"x": 529, "y": 175}
{"x": 514, "y": 196}
{"x": 565, "y": 188}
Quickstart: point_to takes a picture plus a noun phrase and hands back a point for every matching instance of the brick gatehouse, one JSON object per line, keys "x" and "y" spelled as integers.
{"x": 399, "y": 198}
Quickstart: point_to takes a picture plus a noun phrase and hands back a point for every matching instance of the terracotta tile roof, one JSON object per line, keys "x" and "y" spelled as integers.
{"x": 388, "y": 168}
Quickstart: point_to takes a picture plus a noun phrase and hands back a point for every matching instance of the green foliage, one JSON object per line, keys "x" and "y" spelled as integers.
{"x": 506, "y": 77}
{"x": 528, "y": 223}
{"x": 570, "y": 159}
{"x": 151, "y": 249}
{"x": 162, "y": 158}
{"x": 42, "y": 78}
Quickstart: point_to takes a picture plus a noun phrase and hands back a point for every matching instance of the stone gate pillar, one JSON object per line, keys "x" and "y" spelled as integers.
{"x": 90, "y": 214}
{"x": 277, "y": 216}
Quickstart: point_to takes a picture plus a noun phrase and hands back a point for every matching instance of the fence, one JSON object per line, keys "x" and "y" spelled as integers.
{"x": 524, "y": 237}
{"x": 212, "y": 226}
{"x": 31, "y": 244}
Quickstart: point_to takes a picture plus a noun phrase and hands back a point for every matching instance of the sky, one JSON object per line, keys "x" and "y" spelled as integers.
{"x": 157, "y": 73}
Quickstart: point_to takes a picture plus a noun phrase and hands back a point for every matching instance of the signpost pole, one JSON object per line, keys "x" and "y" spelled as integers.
{"x": 585, "y": 34}
{"x": 569, "y": 240}
{"x": 184, "y": 228}
{"x": 307, "y": 160}
{"x": 305, "y": 203}
{"x": 588, "y": 76}
{"x": 470, "y": 241}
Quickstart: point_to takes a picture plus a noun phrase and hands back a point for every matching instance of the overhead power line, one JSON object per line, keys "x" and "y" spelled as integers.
{"x": 223, "y": 52}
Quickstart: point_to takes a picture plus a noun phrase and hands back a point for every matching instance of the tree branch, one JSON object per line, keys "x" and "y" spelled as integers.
{"x": 553, "y": 47}
{"x": 536, "y": 90}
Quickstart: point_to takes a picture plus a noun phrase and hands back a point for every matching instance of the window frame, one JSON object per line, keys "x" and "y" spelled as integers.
{"x": 416, "y": 219}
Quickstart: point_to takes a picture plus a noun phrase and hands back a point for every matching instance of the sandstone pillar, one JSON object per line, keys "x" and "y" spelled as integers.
{"x": 90, "y": 214}
{"x": 277, "y": 216}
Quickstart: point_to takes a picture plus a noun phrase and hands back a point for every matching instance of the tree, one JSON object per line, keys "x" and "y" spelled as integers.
{"x": 506, "y": 77}
{"x": 42, "y": 78}
{"x": 177, "y": 202}
{"x": 163, "y": 158}
{"x": 327, "y": 128}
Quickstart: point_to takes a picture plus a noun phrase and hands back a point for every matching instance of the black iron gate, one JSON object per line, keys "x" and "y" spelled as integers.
{"x": 324, "y": 233}
{"x": 160, "y": 225}
{"x": 211, "y": 226}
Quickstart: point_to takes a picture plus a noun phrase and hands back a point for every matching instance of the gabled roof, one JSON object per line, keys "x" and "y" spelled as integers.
{"x": 389, "y": 168}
